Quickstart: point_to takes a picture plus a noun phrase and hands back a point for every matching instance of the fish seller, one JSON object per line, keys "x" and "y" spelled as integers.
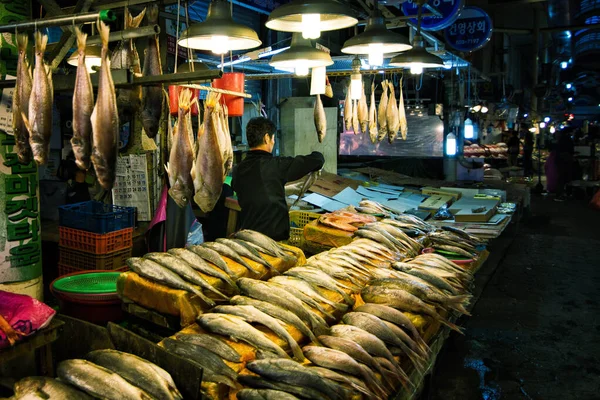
{"x": 260, "y": 178}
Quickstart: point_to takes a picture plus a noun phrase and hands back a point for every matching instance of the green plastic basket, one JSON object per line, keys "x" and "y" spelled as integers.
{"x": 87, "y": 286}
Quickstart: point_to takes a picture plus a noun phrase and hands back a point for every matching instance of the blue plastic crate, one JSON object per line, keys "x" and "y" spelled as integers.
{"x": 97, "y": 217}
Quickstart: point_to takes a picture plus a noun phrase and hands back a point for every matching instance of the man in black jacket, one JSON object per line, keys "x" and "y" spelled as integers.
{"x": 260, "y": 178}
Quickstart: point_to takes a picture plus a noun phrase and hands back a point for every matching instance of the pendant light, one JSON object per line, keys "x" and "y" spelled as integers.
{"x": 93, "y": 58}
{"x": 356, "y": 85}
{"x": 376, "y": 40}
{"x": 469, "y": 129}
{"x": 418, "y": 57}
{"x": 219, "y": 33}
{"x": 311, "y": 17}
{"x": 301, "y": 56}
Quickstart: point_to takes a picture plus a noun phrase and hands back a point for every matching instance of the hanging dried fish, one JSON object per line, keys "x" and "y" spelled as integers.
{"x": 382, "y": 112}
{"x": 21, "y": 102}
{"x": 39, "y": 119}
{"x": 348, "y": 110}
{"x": 320, "y": 119}
{"x": 392, "y": 117}
{"x": 126, "y": 57}
{"x": 373, "y": 116}
{"x": 355, "y": 123}
{"x": 363, "y": 111}
{"x": 402, "y": 114}
{"x": 83, "y": 106}
{"x": 105, "y": 121}
{"x": 152, "y": 96}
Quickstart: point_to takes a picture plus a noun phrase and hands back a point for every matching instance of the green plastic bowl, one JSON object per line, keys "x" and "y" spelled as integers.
{"x": 88, "y": 283}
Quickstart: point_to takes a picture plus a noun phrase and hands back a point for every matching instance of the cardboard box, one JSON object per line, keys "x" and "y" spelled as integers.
{"x": 463, "y": 209}
{"x": 433, "y": 203}
{"x": 432, "y": 191}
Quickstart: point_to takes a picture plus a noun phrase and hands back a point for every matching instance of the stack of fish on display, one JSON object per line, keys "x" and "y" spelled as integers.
{"x": 105, "y": 374}
{"x": 353, "y": 320}
{"x": 209, "y": 270}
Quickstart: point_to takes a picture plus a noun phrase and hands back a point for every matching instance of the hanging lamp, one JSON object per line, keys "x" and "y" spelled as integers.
{"x": 311, "y": 17}
{"x": 301, "y": 56}
{"x": 219, "y": 33}
{"x": 376, "y": 40}
{"x": 418, "y": 57}
{"x": 93, "y": 58}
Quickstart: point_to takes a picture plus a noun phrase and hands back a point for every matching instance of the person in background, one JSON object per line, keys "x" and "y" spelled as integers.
{"x": 260, "y": 178}
{"x": 527, "y": 150}
{"x": 564, "y": 162}
{"x": 514, "y": 145}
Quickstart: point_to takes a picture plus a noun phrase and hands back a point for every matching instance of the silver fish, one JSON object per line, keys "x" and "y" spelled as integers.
{"x": 152, "y": 96}
{"x": 212, "y": 343}
{"x": 320, "y": 119}
{"x": 199, "y": 264}
{"x": 83, "y": 106}
{"x": 20, "y": 104}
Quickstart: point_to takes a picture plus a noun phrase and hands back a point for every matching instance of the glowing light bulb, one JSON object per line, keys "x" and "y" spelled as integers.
{"x": 477, "y": 108}
{"x": 552, "y": 129}
{"x": 564, "y": 65}
{"x": 302, "y": 69}
{"x": 542, "y": 125}
{"x": 356, "y": 87}
{"x": 547, "y": 119}
{"x": 375, "y": 54}
{"x": 570, "y": 99}
{"x": 468, "y": 129}
{"x": 569, "y": 86}
{"x": 451, "y": 145}
{"x": 416, "y": 69}
{"x": 532, "y": 130}
{"x": 219, "y": 44}
{"x": 484, "y": 110}
{"x": 311, "y": 26}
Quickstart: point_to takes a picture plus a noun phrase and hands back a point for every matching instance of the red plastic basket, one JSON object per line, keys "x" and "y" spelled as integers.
{"x": 75, "y": 260}
{"x": 96, "y": 243}
{"x": 94, "y": 309}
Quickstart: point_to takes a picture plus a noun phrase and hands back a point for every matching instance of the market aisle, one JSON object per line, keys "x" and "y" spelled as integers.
{"x": 535, "y": 331}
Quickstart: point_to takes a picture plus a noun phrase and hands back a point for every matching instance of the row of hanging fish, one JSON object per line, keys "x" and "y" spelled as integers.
{"x": 95, "y": 121}
{"x": 189, "y": 269}
{"x": 103, "y": 374}
{"x": 388, "y": 119}
{"x": 351, "y": 348}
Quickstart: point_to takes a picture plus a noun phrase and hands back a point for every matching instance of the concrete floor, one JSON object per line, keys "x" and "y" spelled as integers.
{"x": 535, "y": 329}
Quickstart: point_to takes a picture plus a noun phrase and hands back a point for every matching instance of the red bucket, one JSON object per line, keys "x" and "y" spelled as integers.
{"x": 233, "y": 81}
{"x": 174, "y": 91}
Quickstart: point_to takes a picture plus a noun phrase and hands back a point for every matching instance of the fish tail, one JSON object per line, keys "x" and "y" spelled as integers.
{"x": 296, "y": 350}
{"x": 208, "y": 301}
{"x": 450, "y": 325}
{"x": 81, "y": 39}
{"x": 153, "y": 15}
{"x": 134, "y": 22}
{"x": 185, "y": 97}
{"x": 22, "y": 41}
{"x": 26, "y": 122}
{"x": 41, "y": 41}
{"x": 104, "y": 34}
{"x": 459, "y": 302}
{"x": 371, "y": 381}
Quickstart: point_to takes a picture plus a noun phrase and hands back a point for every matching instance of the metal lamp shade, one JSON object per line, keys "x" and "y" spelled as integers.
{"x": 93, "y": 57}
{"x": 301, "y": 51}
{"x": 201, "y": 36}
{"x": 376, "y": 33}
{"x": 334, "y": 15}
{"x": 417, "y": 55}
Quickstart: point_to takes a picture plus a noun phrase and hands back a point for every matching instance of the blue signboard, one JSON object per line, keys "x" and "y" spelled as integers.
{"x": 471, "y": 31}
{"x": 448, "y": 11}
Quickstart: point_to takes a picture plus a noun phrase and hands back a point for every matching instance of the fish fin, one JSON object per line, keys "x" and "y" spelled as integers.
{"x": 104, "y": 34}
{"x": 81, "y": 39}
{"x": 152, "y": 15}
{"x": 41, "y": 41}
{"x": 193, "y": 171}
{"x": 22, "y": 41}
{"x": 167, "y": 167}
{"x": 26, "y": 122}
{"x": 137, "y": 20}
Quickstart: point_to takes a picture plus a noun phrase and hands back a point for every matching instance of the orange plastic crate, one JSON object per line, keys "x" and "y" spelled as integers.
{"x": 83, "y": 261}
{"x": 67, "y": 269}
{"x": 96, "y": 243}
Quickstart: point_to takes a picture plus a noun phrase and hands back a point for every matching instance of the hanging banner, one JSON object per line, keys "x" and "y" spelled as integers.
{"x": 471, "y": 31}
{"x": 448, "y": 11}
{"x": 131, "y": 186}
{"x": 20, "y": 241}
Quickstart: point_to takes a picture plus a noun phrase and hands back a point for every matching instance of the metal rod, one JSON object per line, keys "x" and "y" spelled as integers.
{"x": 127, "y": 34}
{"x": 180, "y": 77}
{"x": 105, "y": 15}
{"x": 217, "y": 90}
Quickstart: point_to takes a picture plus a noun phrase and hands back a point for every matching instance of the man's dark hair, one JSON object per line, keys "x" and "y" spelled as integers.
{"x": 256, "y": 129}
